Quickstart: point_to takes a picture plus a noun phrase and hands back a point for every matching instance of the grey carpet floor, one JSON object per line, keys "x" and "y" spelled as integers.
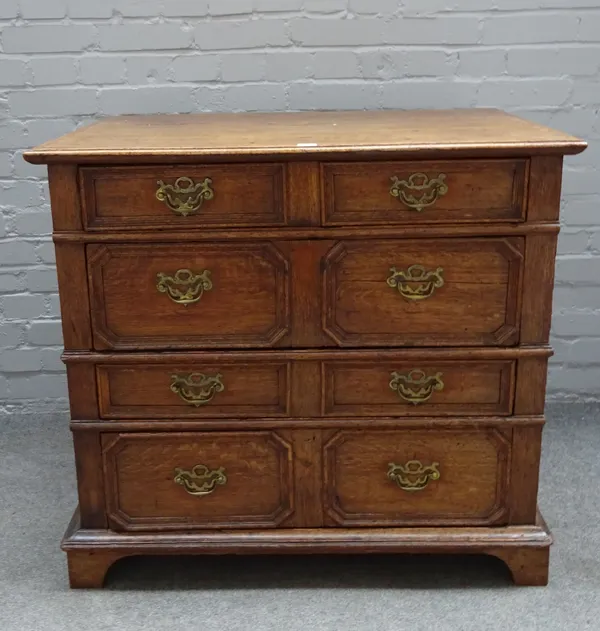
{"x": 347, "y": 593}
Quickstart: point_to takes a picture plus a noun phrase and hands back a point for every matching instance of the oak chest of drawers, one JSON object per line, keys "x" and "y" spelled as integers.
{"x": 322, "y": 332}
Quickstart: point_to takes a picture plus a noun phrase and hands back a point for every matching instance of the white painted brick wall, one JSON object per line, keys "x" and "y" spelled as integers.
{"x": 65, "y": 62}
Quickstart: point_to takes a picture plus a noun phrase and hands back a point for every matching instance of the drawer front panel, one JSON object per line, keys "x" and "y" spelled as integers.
{"x": 182, "y": 197}
{"x": 165, "y": 296}
{"x": 418, "y": 388}
{"x": 430, "y": 292}
{"x": 418, "y": 477}
{"x": 206, "y": 389}
{"x": 424, "y": 192}
{"x": 197, "y": 480}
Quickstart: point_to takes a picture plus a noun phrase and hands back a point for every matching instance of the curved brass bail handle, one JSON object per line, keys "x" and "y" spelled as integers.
{"x": 419, "y": 191}
{"x": 416, "y": 282}
{"x": 196, "y": 388}
{"x": 200, "y": 480}
{"x": 413, "y": 476}
{"x": 185, "y": 197}
{"x": 184, "y": 287}
{"x": 416, "y": 387}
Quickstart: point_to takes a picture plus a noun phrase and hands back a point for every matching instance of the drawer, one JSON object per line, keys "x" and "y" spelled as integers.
{"x": 182, "y": 197}
{"x": 423, "y": 292}
{"x": 197, "y": 480}
{"x": 417, "y": 476}
{"x": 391, "y": 388}
{"x": 208, "y": 388}
{"x": 181, "y": 296}
{"x": 454, "y": 191}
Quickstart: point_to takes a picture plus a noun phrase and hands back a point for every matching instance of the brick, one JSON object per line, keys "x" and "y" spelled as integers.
{"x": 139, "y": 37}
{"x": 51, "y": 361}
{"x": 243, "y": 67}
{"x": 169, "y": 8}
{"x": 54, "y": 70}
{"x": 54, "y": 306}
{"x": 578, "y": 269}
{"x": 53, "y": 101}
{"x": 148, "y": 69}
{"x": 574, "y": 297}
{"x": 195, "y": 67}
{"x": 325, "y": 6}
{"x": 523, "y": 93}
{"x": 236, "y": 35}
{"x": 42, "y": 280}
{"x": 23, "y": 307}
{"x": 319, "y": 32}
{"x": 265, "y": 97}
{"x": 24, "y": 170}
{"x": 45, "y": 333}
{"x": 289, "y": 66}
{"x": 595, "y": 244}
{"x": 20, "y": 194}
{"x": 338, "y": 64}
{"x": 48, "y": 38}
{"x": 585, "y": 91}
{"x": 530, "y": 29}
{"x": 572, "y": 242}
{"x": 90, "y": 9}
{"x": 430, "y": 63}
{"x": 429, "y": 7}
{"x": 11, "y": 283}
{"x": 34, "y": 223}
{"x": 583, "y": 211}
{"x": 589, "y": 28}
{"x": 429, "y": 94}
{"x": 586, "y": 351}
{"x": 579, "y": 380}
{"x": 145, "y": 100}
{"x": 278, "y": 5}
{"x": 13, "y": 72}
{"x": 11, "y": 335}
{"x": 42, "y": 130}
{"x": 21, "y": 360}
{"x": 386, "y": 7}
{"x": 231, "y": 7}
{"x": 38, "y": 387}
{"x": 12, "y": 135}
{"x": 553, "y": 61}
{"x": 576, "y": 323}
{"x": 102, "y": 70}
{"x": 315, "y": 96}
{"x": 2, "y": 226}
{"x": 382, "y": 65}
{"x": 208, "y": 98}
{"x": 580, "y": 180}
{"x": 9, "y": 9}
{"x": 46, "y": 252}
{"x": 432, "y": 31}
{"x": 6, "y": 165}
{"x": 482, "y": 62}
{"x": 36, "y": 10}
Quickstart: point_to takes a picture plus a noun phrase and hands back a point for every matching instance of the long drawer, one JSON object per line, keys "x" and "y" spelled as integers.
{"x": 367, "y": 293}
{"x": 310, "y": 384}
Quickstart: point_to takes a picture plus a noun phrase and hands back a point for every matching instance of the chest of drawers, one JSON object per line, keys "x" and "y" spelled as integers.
{"x": 307, "y": 333}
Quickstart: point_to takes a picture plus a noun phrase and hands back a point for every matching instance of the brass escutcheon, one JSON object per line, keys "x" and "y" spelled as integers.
{"x": 416, "y": 387}
{"x": 413, "y": 476}
{"x": 196, "y": 388}
{"x": 416, "y": 283}
{"x": 185, "y": 197}
{"x": 184, "y": 287}
{"x": 419, "y": 192}
{"x": 200, "y": 480}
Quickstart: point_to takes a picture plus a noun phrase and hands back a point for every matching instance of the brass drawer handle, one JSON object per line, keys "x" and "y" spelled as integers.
{"x": 419, "y": 192}
{"x": 200, "y": 480}
{"x": 416, "y": 387}
{"x": 416, "y": 283}
{"x": 185, "y": 197}
{"x": 197, "y": 389}
{"x": 184, "y": 287}
{"x": 413, "y": 476}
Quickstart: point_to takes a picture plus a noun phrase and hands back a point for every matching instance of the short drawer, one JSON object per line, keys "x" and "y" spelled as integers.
{"x": 423, "y": 292}
{"x": 203, "y": 389}
{"x": 179, "y": 481}
{"x": 182, "y": 197}
{"x": 417, "y": 476}
{"x": 181, "y": 296}
{"x": 400, "y": 388}
{"x": 455, "y": 191}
